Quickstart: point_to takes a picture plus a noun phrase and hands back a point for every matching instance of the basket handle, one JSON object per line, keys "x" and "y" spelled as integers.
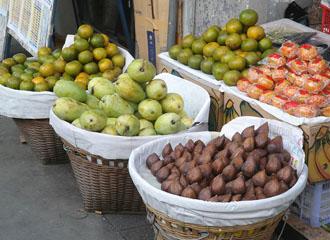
{"x": 151, "y": 219}
{"x": 285, "y": 219}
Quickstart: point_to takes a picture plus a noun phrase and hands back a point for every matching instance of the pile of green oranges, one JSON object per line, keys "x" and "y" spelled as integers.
{"x": 225, "y": 52}
{"x": 91, "y": 55}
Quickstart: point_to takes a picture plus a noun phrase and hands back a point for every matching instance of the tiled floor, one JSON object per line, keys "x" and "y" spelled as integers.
{"x": 39, "y": 202}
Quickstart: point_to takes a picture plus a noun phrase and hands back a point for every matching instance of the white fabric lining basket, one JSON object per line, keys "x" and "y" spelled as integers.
{"x": 36, "y": 105}
{"x": 197, "y": 106}
{"x": 212, "y": 213}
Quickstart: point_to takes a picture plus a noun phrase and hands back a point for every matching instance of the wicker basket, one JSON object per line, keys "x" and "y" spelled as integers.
{"x": 169, "y": 229}
{"x": 105, "y": 185}
{"x": 43, "y": 140}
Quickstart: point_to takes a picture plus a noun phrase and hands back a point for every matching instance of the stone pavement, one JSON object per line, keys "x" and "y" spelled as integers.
{"x": 39, "y": 202}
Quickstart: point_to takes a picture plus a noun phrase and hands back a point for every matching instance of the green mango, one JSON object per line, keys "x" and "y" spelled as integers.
{"x": 69, "y": 109}
{"x": 128, "y": 125}
{"x": 168, "y": 123}
{"x": 128, "y": 89}
{"x": 111, "y": 121}
{"x": 93, "y": 120}
{"x": 92, "y": 101}
{"x": 100, "y": 87}
{"x": 173, "y": 102}
{"x": 76, "y": 123}
{"x": 145, "y": 124}
{"x": 111, "y": 130}
{"x": 147, "y": 132}
{"x": 114, "y": 106}
{"x": 65, "y": 88}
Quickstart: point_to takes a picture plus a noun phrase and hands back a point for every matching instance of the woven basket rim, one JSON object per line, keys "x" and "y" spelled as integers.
{"x": 215, "y": 228}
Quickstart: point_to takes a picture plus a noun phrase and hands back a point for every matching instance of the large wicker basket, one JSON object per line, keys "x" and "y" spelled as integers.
{"x": 105, "y": 185}
{"x": 43, "y": 140}
{"x": 167, "y": 229}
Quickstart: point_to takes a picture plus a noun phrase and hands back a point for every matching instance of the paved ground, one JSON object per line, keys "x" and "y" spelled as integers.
{"x": 43, "y": 202}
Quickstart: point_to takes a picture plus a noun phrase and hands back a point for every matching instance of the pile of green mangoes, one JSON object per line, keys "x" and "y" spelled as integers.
{"x": 90, "y": 55}
{"x": 135, "y": 104}
{"x": 225, "y": 52}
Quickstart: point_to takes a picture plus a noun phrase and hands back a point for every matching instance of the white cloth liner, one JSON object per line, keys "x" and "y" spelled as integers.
{"x": 212, "y": 213}
{"x": 36, "y": 105}
{"x": 196, "y": 104}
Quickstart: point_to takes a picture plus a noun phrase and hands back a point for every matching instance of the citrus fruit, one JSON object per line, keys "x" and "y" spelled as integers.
{"x": 47, "y": 69}
{"x": 237, "y": 63}
{"x": 17, "y": 67}
{"x": 243, "y": 36}
{"x": 195, "y": 61}
{"x": 210, "y": 35}
{"x": 112, "y": 50}
{"x": 206, "y": 65}
{"x": 59, "y": 65}
{"x": 13, "y": 82}
{"x": 187, "y": 41}
{"x": 215, "y": 27}
{"x": 91, "y": 68}
{"x": 57, "y": 53}
{"x": 95, "y": 75}
{"x": 41, "y": 87}
{"x": 3, "y": 71}
{"x": 184, "y": 55}
{"x": 85, "y": 31}
{"x": 38, "y": 80}
{"x": 18, "y": 73}
{"x": 110, "y": 75}
{"x": 8, "y": 62}
{"x": 26, "y": 77}
{"x": 219, "y": 69}
{"x": 255, "y": 32}
{"x": 251, "y": 58}
{"x": 69, "y": 54}
{"x": 222, "y": 37}
{"x": 4, "y": 78}
{"x": 26, "y": 86}
{"x": 209, "y": 48}
{"x": 85, "y": 57}
{"x": 19, "y": 57}
{"x": 73, "y": 68}
{"x": 118, "y": 60}
{"x": 174, "y": 51}
{"x": 34, "y": 65}
{"x": 51, "y": 80}
{"x": 245, "y": 73}
{"x": 97, "y": 40}
{"x": 197, "y": 46}
{"x": 117, "y": 71}
{"x": 44, "y": 51}
{"x": 81, "y": 44}
{"x": 265, "y": 44}
{"x": 48, "y": 59}
{"x": 231, "y": 77}
{"x": 106, "y": 39}
{"x": 267, "y": 52}
{"x": 67, "y": 77}
{"x": 249, "y": 45}
{"x": 248, "y": 17}
{"x": 82, "y": 82}
{"x": 36, "y": 74}
{"x": 99, "y": 53}
{"x": 219, "y": 52}
{"x": 228, "y": 56}
{"x": 234, "y": 26}
{"x": 233, "y": 41}
{"x": 105, "y": 64}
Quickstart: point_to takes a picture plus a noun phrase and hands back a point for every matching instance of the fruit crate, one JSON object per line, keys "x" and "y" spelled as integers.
{"x": 313, "y": 204}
